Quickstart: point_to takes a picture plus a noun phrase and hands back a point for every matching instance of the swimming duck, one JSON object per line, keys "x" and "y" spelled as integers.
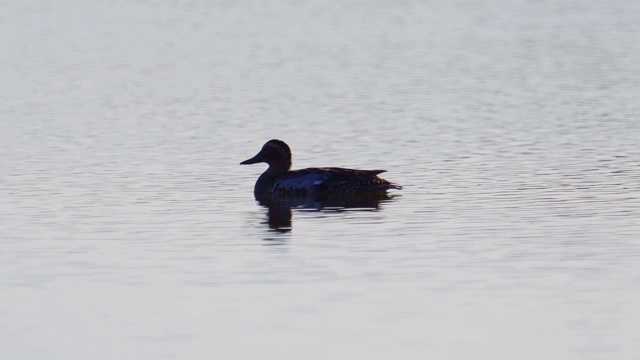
{"x": 280, "y": 180}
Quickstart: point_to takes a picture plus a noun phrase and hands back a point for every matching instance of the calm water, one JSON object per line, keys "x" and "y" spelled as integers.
{"x": 129, "y": 231}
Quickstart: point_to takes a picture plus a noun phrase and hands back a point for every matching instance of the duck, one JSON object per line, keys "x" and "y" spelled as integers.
{"x": 280, "y": 180}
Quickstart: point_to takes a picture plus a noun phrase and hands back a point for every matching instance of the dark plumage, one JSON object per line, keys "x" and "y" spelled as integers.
{"x": 281, "y": 180}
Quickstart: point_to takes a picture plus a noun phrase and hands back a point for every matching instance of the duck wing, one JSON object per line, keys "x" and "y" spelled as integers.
{"x": 319, "y": 180}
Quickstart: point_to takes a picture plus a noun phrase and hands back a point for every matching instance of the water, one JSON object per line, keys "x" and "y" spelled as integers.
{"x": 129, "y": 231}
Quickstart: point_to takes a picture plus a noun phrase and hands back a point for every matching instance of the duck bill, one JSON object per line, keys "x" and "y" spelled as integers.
{"x": 253, "y": 160}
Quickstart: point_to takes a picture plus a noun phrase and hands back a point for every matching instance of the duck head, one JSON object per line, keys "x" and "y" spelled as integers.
{"x": 275, "y": 153}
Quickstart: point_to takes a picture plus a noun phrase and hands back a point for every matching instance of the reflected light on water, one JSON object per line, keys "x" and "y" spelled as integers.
{"x": 128, "y": 230}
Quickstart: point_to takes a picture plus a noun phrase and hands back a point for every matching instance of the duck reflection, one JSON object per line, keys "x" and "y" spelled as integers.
{"x": 279, "y": 208}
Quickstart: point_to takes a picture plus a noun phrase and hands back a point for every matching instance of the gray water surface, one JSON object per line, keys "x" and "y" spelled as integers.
{"x": 128, "y": 230}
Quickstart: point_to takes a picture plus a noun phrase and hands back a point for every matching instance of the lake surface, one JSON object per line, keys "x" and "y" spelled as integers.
{"x": 129, "y": 231}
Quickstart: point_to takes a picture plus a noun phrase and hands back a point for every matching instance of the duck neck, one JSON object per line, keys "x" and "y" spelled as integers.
{"x": 270, "y": 176}
{"x": 278, "y": 168}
